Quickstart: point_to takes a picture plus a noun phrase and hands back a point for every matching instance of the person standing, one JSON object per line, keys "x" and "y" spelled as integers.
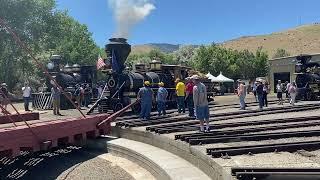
{"x": 162, "y": 95}
{"x": 279, "y": 89}
{"x": 100, "y": 89}
{"x": 254, "y": 90}
{"x": 55, "y": 93}
{"x": 145, "y": 95}
{"x": 266, "y": 91}
{"x": 260, "y": 93}
{"x": 82, "y": 102}
{"x": 292, "y": 90}
{"x": 200, "y": 100}
{"x": 87, "y": 95}
{"x": 242, "y": 94}
{"x": 4, "y": 95}
{"x": 180, "y": 91}
{"x": 26, "y": 92}
{"x": 77, "y": 95}
{"x": 189, "y": 97}
{"x": 286, "y": 85}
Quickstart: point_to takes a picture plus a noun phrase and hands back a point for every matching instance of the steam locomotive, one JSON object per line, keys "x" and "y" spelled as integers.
{"x": 68, "y": 76}
{"x": 123, "y": 85}
{"x": 308, "y": 78}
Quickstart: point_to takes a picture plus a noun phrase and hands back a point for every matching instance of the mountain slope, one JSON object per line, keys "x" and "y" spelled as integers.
{"x": 164, "y": 47}
{"x": 303, "y": 39}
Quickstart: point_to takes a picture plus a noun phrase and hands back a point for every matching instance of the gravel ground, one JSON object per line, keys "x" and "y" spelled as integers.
{"x": 95, "y": 169}
{"x": 63, "y": 163}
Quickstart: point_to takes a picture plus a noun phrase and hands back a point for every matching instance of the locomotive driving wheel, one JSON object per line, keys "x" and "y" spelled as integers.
{"x": 309, "y": 96}
{"x": 117, "y": 107}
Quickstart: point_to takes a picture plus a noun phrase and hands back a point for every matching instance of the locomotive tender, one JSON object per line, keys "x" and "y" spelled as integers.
{"x": 308, "y": 78}
{"x": 123, "y": 85}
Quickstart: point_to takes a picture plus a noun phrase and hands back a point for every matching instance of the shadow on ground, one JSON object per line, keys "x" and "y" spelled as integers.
{"x": 47, "y": 165}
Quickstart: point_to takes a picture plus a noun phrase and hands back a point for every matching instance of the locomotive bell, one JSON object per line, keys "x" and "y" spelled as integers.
{"x": 118, "y": 50}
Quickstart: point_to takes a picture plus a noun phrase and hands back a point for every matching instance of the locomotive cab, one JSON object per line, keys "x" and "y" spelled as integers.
{"x": 307, "y": 78}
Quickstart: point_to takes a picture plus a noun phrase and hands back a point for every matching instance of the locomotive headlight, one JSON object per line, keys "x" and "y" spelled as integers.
{"x": 50, "y": 65}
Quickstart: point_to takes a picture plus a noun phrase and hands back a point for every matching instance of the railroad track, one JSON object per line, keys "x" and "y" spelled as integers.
{"x": 288, "y": 173}
{"x": 131, "y": 116}
{"x": 184, "y": 121}
{"x": 239, "y": 130}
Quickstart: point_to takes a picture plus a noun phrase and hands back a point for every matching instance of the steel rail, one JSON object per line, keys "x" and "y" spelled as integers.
{"x": 138, "y": 123}
{"x": 187, "y": 125}
{"x": 251, "y": 137}
{"x": 263, "y": 148}
{"x": 241, "y": 123}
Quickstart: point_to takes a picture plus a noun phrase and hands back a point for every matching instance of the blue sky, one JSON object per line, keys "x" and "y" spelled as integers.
{"x": 197, "y": 21}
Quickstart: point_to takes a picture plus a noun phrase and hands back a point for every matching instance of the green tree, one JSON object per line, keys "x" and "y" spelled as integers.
{"x": 46, "y": 31}
{"x": 281, "y": 53}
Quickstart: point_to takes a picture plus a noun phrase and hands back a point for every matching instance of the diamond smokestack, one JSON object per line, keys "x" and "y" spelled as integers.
{"x": 119, "y": 50}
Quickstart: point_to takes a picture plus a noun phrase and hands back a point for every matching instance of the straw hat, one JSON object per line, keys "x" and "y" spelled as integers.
{"x": 161, "y": 84}
{"x": 147, "y": 83}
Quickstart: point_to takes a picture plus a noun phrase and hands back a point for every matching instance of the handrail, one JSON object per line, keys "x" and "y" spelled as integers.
{"x": 118, "y": 90}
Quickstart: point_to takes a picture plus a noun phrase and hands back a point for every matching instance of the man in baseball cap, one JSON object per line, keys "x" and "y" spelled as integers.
{"x": 200, "y": 99}
{"x": 161, "y": 99}
{"x": 145, "y": 95}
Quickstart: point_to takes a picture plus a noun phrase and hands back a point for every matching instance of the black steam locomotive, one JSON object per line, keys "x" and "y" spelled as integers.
{"x": 123, "y": 85}
{"x": 308, "y": 78}
{"x": 69, "y": 76}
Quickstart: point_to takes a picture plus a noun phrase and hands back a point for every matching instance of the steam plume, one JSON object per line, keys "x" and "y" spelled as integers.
{"x": 128, "y": 13}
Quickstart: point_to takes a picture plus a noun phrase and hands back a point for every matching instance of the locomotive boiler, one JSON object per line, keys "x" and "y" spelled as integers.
{"x": 67, "y": 77}
{"x": 307, "y": 78}
{"x": 122, "y": 85}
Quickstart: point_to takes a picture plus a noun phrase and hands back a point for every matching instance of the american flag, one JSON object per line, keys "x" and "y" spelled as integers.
{"x": 100, "y": 63}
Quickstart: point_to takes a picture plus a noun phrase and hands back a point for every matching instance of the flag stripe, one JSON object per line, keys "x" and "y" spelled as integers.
{"x": 100, "y": 63}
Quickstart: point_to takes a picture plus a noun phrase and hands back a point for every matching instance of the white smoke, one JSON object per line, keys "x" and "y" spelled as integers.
{"x": 128, "y": 13}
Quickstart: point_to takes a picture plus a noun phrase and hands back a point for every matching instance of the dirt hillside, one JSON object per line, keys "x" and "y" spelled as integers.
{"x": 303, "y": 39}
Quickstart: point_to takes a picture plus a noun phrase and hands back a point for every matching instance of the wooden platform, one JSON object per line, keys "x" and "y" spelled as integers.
{"x": 4, "y": 119}
{"x": 49, "y": 134}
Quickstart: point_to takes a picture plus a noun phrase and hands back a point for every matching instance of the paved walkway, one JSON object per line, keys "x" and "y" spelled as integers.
{"x": 173, "y": 166}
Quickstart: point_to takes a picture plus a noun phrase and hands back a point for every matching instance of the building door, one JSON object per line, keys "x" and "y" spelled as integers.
{"x": 283, "y": 76}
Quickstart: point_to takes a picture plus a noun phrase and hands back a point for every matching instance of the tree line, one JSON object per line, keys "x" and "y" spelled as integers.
{"x": 46, "y": 31}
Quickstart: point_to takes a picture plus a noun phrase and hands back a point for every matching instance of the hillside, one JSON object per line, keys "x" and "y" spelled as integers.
{"x": 164, "y": 47}
{"x": 302, "y": 39}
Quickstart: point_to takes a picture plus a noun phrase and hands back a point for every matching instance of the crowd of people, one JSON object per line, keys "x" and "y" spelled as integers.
{"x": 82, "y": 95}
{"x": 193, "y": 94}
{"x": 261, "y": 89}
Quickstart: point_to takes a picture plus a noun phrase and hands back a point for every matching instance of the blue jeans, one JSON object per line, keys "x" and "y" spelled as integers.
{"x": 145, "y": 110}
{"x": 26, "y": 103}
{"x": 161, "y": 107}
{"x": 242, "y": 102}
{"x": 181, "y": 104}
{"x": 260, "y": 99}
{"x": 190, "y": 105}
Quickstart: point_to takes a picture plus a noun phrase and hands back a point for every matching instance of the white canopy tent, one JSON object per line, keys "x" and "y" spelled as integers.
{"x": 222, "y": 78}
{"x": 211, "y": 77}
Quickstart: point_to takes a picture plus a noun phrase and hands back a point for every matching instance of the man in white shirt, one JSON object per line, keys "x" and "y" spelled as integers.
{"x": 26, "y": 90}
